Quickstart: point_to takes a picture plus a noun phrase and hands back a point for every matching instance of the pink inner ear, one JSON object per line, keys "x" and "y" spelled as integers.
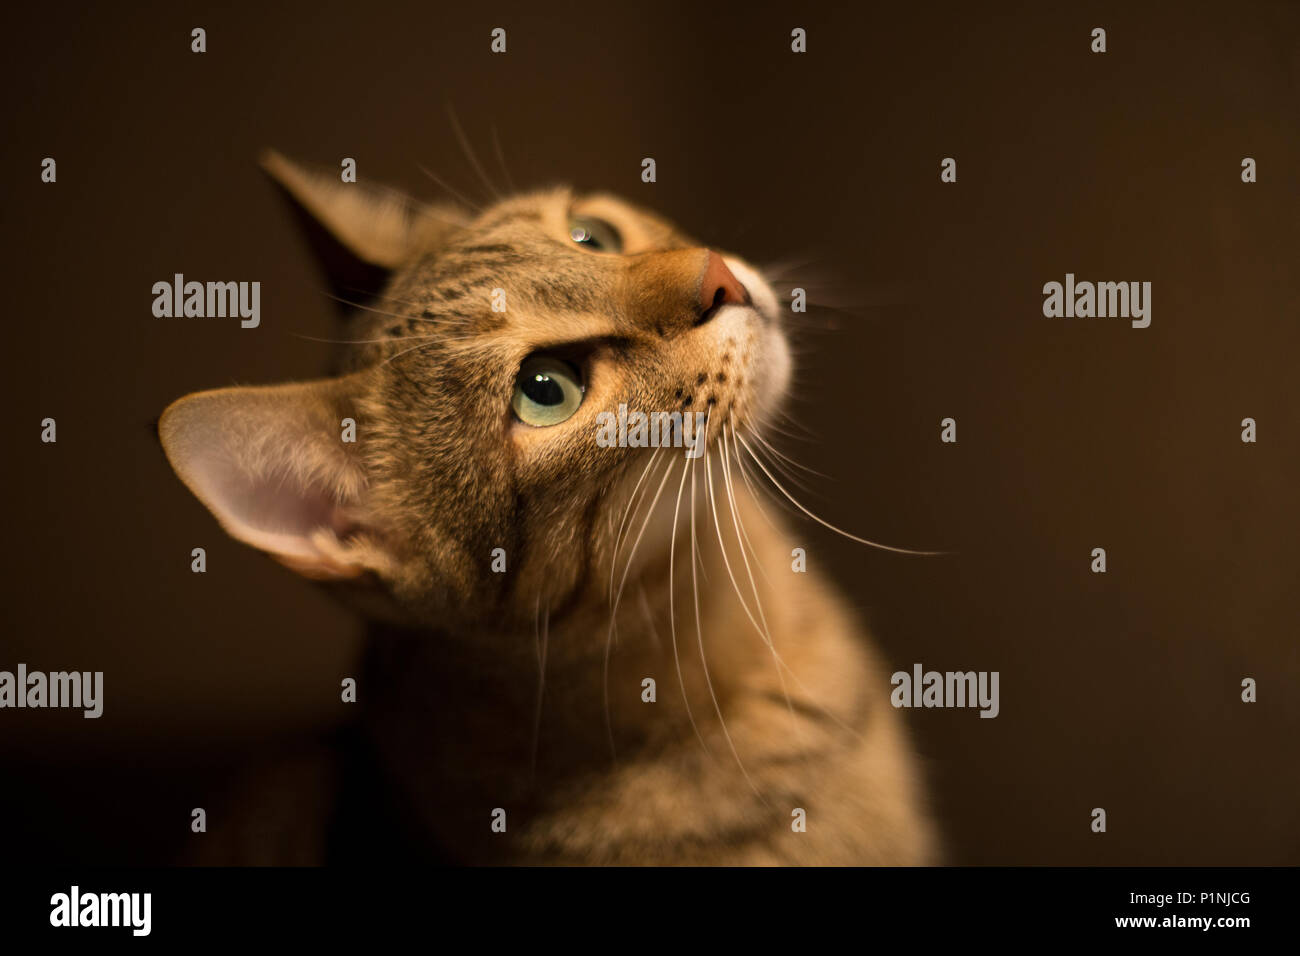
{"x": 276, "y": 512}
{"x": 268, "y": 464}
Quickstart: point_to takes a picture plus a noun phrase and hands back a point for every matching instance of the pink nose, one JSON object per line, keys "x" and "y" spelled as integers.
{"x": 719, "y": 287}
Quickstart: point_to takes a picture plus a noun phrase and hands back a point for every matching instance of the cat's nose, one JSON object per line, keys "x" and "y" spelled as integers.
{"x": 718, "y": 287}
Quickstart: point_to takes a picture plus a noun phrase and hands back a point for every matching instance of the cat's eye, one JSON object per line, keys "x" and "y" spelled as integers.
{"x": 595, "y": 234}
{"x": 548, "y": 390}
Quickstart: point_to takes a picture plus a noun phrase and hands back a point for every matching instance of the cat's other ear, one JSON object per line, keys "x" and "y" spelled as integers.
{"x": 360, "y": 232}
{"x": 271, "y": 464}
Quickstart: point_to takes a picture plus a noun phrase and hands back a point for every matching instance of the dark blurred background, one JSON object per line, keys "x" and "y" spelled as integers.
{"x": 1119, "y": 690}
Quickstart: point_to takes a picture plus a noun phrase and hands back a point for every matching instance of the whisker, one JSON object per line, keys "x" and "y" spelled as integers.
{"x": 779, "y": 270}
{"x": 469, "y": 152}
{"x": 477, "y": 207}
{"x": 627, "y": 565}
{"x": 762, "y": 630}
{"x": 783, "y": 668}
{"x": 753, "y": 491}
{"x": 672, "y": 610}
{"x": 786, "y": 471}
{"x": 783, "y": 457}
{"x": 501, "y": 159}
{"x": 367, "y": 308}
{"x": 727, "y": 451}
{"x": 622, "y": 526}
{"x": 808, "y": 433}
{"x": 776, "y": 426}
{"x": 387, "y": 338}
{"x": 415, "y": 348}
{"x": 644, "y": 601}
{"x": 613, "y": 614}
{"x": 699, "y": 633}
{"x": 743, "y": 538}
{"x": 425, "y": 313}
{"x": 542, "y": 646}
{"x": 824, "y": 523}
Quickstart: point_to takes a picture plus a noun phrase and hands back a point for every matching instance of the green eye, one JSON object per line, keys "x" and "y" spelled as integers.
{"x": 595, "y": 234}
{"x": 547, "y": 391}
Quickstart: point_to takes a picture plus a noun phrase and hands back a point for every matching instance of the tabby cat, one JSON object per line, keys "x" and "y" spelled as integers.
{"x": 579, "y": 653}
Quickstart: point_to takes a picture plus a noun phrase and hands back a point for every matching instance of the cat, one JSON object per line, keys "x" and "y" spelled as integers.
{"x": 579, "y": 654}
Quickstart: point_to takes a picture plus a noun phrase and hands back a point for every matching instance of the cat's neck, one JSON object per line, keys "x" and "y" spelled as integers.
{"x": 561, "y": 696}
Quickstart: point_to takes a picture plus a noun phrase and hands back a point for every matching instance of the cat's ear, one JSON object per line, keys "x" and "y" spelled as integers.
{"x": 272, "y": 465}
{"x": 360, "y": 232}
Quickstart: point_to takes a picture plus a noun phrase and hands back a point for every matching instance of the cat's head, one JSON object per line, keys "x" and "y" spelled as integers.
{"x": 476, "y": 384}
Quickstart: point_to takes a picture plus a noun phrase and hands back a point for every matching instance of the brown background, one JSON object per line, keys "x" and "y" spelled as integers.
{"x": 1118, "y": 690}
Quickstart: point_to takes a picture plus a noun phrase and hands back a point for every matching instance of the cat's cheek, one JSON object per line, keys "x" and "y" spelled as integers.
{"x": 775, "y": 369}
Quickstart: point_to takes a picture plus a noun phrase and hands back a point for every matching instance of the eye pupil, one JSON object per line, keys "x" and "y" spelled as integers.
{"x": 548, "y": 390}
{"x": 595, "y": 234}
{"x": 543, "y": 390}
